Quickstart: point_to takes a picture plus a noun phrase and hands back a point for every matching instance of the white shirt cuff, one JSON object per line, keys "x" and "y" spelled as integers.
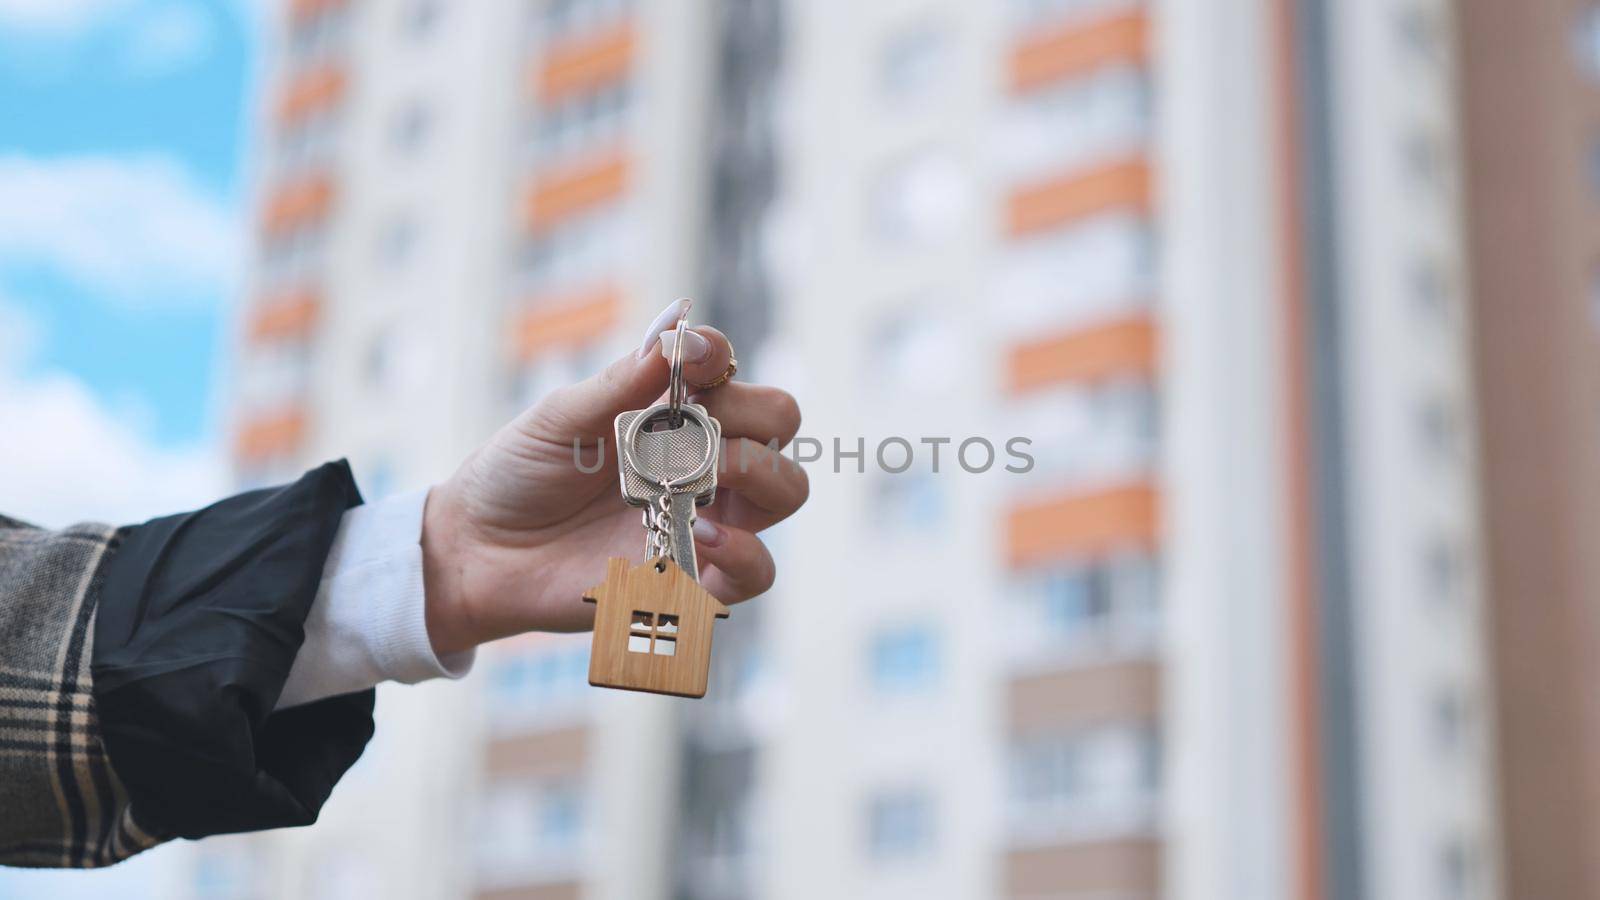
{"x": 369, "y": 621}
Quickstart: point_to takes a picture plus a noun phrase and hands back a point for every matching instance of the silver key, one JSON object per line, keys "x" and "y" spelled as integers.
{"x": 669, "y": 472}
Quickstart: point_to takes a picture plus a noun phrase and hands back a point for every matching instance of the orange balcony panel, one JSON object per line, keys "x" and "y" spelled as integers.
{"x": 582, "y": 64}
{"x": 1120, "y": 867}
{"x": 286, "y": 318}
{"x": 296, "y": 204}
{"x": 1128, "y": 346}
{"x": 270, "y": 436}
{"x": 1076, "y": 48}
{"x": 550, "y": 890}
{"x": 559, "y": 196}
{"x": 567, "y": 322}
{"x": 302, "y": 11}
{"x": 310, "y": 92}
{"x": 1083, "y": 524}
{"x": 1058, "y": 201}
{"x": 543, "y": 754}
{"x": 1084, "y": 696}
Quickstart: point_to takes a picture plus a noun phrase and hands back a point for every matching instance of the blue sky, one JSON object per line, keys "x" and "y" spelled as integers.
{"x": 123, "y": 212}
{"x": 175, "y": 89}
{"x": 123, "y": 228}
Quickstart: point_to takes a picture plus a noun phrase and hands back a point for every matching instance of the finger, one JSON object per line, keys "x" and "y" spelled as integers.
{"x": 736, "y": 565}
{"x": 733, "y": 508}
{"x": 768, "y": 479}
{"x": 756, "y": 411}
{"x": 706, "y": 353}
{"x": 635, "y": 381}
{"x": 588, "y": 408}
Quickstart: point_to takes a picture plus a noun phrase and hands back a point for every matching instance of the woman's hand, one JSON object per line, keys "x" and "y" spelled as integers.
{"x": 515, "y": 536}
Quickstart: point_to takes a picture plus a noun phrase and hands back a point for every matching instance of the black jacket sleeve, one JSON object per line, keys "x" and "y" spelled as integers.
{"x": 200, "y": 618}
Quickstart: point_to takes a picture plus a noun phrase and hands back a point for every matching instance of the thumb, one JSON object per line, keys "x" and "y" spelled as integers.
{"x": 634, "y": 381}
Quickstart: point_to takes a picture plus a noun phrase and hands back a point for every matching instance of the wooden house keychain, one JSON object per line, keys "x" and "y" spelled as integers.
{"x": 653, "y": 621}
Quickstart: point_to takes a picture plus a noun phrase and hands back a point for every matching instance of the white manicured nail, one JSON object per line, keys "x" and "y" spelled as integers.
{"x": 667, "y": 319}
{"x": 695, "y": 347}
{"x": 707, "y": 532}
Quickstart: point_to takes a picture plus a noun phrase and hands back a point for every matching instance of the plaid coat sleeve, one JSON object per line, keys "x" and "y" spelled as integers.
{"x": 62, "y": 804}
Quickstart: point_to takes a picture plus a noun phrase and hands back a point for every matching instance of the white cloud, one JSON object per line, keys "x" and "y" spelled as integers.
{"x": 66, "y": 457}
{"x": 168, "y": 39}
{"x": 136, "y": 229}
{"x": 61, "y": 18}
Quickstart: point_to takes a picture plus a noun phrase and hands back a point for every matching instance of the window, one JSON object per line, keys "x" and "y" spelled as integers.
{"x": 378, "y": 479}
{"x": 1074, "y": 123}
{"x": 289, "y": 262}
{"x": 422, "y": 16}
{"x": 1432, "y": 288}
{"x": 309, "y": 145}
{"x": 560, "y": 815}
{"x": 1586, "y": 42}
{"x": 577, "y": 254}
{"x": 274, "y": 375}
{"x": 1594, "y": 297}
{"x": 1082, "y": 599}
{"x": 398, "y": 241}
{"x": 1459, "y": 873}
{"x": 581, "y": 122}
{"x": 319, "y": 37}
{"x": 409, "y": 128}
{"x": 899, "y": 824}
{"x": 1421, "y": 32}
{"x": 1074, "y": 274}
{"x": 530, "y": 828}
{"x": 377, "y": 363}
{"x": 1087, "y": 608}
{"x": 1445, "y": 571}
{"x": 904, "y": 659}
{"x": 1427, "y": 160}
{"x": 1085, "y": 778}
{"x": 655, "y": 633}
{"x": 1106, "y": 430}
{"x": 1439, "y": 421}
{"x": 1452, "y": 720}
{"x": 910, "y": 352}
{"x": 909, "y": 502}
{"x": 914, "y": 63}
{"x": 397, "y": 359}
{"x": 529, "y": 686}
{"x": 226, "y": 870}
{"x": 1077, "y": 599}
{"x": 1592, "y": 165}
{"x": 564, "y": 16}
{"x": 919, "y": 200}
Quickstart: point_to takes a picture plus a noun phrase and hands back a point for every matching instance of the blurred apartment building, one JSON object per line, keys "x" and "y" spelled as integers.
{"x": 1225, "y": 640}
{"x": 1531, "y": 82}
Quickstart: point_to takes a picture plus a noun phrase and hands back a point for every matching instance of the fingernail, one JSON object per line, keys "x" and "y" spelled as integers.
{"x": 695, "y": 347}
{"x": 708, "y": 532}
{"x": 667, "y": 319}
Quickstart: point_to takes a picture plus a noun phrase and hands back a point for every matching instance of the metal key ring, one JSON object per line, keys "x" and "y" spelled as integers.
{"x": 635, "y": 427}
{"x": 677, "y": 391}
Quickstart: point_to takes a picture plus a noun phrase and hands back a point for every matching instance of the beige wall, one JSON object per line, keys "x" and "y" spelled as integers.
{"x": 1531, "y": 118}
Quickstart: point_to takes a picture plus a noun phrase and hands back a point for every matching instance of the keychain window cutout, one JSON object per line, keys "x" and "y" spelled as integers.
{"x": 653, "y": 633}
{"x": 672, "y": 645}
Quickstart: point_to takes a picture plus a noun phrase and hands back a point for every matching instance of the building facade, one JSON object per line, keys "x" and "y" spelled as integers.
{"x": 1530, "y": 77}
{"x": 1224, "y": 638}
